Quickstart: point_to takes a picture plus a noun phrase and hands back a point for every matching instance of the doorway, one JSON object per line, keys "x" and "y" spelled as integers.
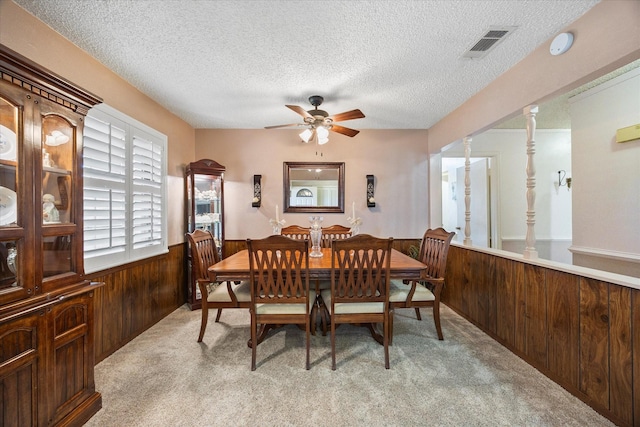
{"x": 483, "y": 206}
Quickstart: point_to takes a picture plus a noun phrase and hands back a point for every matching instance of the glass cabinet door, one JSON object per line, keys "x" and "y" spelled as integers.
{"x": 207, "y": 199}
{"x": 58, "y": 172}
{"x": 57, "y": 167}
{"x": 10, "y": 243}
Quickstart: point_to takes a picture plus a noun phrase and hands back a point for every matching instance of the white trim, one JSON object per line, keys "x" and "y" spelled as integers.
{"x": 157, "y": 246}
{"x": 606, "y": 85}
{"x": 604, "y": 276}
{"x": 538, "y": 239}
{"x": 604, "y": 253}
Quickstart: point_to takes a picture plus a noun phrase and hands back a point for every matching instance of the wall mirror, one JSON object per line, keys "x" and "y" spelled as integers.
{"x": 313, "y": 187}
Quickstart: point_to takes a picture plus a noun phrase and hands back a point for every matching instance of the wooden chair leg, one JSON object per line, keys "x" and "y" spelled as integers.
{"x": 418, "y": 313}
{"x": 391, "y": 328}
{"x": 254, "y": 341}
{"x": 333, "y": 346}
{"x": 324, "y": 321}
{"x": 218, "y": 315}
{"x": 385, "y": 331}
{"x": 313, "y": 315}
{"x": 325, "y": 318}
{"x": 436, "y": 319}
{"x": 308, "y": 345}
{"x": 203, "y": 324}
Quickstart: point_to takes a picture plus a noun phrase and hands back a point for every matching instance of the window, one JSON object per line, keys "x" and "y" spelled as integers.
{"x": 124, "y": 190}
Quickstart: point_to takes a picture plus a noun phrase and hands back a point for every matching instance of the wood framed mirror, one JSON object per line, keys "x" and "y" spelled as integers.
{"x": 313, "y": 187}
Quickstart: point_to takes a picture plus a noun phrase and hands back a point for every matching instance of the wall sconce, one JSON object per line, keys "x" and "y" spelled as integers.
{"x": 562, "y": 181}
{"x": 371, "y": 201}
{"x": 257, "y": 191}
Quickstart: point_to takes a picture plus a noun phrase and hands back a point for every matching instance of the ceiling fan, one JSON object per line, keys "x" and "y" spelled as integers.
{"x": 319, "y": 122}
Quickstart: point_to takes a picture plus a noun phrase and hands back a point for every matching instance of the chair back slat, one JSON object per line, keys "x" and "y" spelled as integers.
{"x": 329, "y": 234}
{"x": 334, "y": 232}
{"x": 279, "y": 270}
{"x": 204, "y": 252}
{"x": 434, "y": 249}
{"x": 360, "y": 269}
{"x": 296, "y": 232}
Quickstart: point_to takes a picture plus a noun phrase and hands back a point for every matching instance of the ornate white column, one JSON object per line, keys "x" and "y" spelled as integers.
{"x": 467, "y": 190}
{"x": 530, "y": 240}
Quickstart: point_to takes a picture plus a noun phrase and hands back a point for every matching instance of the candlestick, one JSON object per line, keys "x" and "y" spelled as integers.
{"x": 353, "y": 210}
{"x": 277, "y": 219}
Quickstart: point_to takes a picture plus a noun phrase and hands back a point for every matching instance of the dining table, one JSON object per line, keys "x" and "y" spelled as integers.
{"x": 236, "y": 268}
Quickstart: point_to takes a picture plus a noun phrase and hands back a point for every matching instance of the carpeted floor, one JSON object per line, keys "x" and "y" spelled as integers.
{"x": 165, "y": 378}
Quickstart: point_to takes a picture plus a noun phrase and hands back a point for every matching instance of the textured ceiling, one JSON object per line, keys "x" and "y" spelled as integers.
{"x": 235, "y": 64}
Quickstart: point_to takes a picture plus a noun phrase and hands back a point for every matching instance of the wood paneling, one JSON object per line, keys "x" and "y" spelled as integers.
{"x": 454, "y": 275}
{"x": 507, "y": 275}
{"x": 580, "y": 332}
{"x": 484, "y": 284}
{"x": 594, "y": 340}
{"x": 535, "y": 291}
{"x": 521, "y": 318}
{"x": 135, "y": 297}
{"x": 635, "y": 333}
{"x": 563, "y": 301}
{"x": 620, "y": 363}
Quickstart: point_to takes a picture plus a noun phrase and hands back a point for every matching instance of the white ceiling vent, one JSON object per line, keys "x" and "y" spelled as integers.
{"x": 491, "y": 38}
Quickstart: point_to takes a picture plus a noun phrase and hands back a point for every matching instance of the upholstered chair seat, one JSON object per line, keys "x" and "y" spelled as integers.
{"x": 285, "y": 308}
{"x": 351, "y": 307}
{"x": 399, "y": 292}
{"x": 218, "y": 292}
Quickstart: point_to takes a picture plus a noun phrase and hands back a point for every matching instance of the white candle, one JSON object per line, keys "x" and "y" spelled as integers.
{"x": 277, "y": 219}
{"x": 353, "y": 210}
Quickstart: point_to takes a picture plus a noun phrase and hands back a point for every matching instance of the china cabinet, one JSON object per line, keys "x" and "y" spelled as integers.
{"x": 46, "y": 305}
{"x": 205, "y": 210}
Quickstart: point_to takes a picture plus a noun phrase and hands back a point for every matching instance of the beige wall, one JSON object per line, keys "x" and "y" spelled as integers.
{"x": 397, "y": 158}
{"x": 28, "y": 36}
{"x": 606, "y": 176}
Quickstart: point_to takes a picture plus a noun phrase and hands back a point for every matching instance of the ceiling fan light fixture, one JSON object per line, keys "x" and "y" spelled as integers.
{"x": 305, "y": 135}
{"x": 323, "y": 132}
{"x": 319, "y": 123}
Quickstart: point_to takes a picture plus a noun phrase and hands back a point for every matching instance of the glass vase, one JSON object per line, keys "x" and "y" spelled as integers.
{"x": 315, "y": 233}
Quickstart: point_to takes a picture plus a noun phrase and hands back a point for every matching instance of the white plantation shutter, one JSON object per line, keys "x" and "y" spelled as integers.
{"x": 147, "y": 191}
{"x": 124, "y": 190}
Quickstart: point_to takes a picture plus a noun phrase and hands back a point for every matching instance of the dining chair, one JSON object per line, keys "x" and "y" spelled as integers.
{"x": 334, "y": 232}
{"x": 329, "y": 234}
{"x": 359, "y": 294}
{"x": 280, "y": 294}
{"x": 295, "y": 232}
{"x": 214, "y": 295}
{"x": 434, "y": 248}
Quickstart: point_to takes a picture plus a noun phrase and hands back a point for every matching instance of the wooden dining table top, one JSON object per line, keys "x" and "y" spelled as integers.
{"x": 236, "y": 267}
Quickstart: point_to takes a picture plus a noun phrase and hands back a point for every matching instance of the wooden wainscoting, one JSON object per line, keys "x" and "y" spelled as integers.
{"x": 135, "y": 297}
{"x": 582, "y": 333}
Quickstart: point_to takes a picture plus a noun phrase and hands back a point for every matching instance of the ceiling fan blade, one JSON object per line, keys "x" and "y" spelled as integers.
{"x": 283, "y": 126}
{"x": 348, "y": 115}
{"x": 343, "y": 130}
{"x": 299, "y": 110}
